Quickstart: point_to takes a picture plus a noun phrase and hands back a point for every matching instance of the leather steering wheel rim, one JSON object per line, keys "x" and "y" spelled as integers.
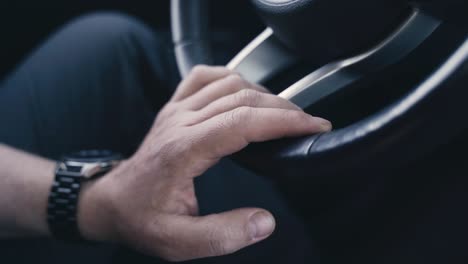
{"x": 404, "y": 130}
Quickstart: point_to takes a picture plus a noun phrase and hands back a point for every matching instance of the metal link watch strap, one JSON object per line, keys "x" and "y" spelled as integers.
{"x": 63, "y": 203}
{"x": 71, "y": 173}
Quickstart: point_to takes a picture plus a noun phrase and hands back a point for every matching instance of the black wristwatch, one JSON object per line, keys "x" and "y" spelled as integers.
{"x": 72, "y": 171}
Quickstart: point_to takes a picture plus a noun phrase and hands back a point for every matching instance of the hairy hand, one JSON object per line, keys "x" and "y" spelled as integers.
{"x": 149, "y": 201}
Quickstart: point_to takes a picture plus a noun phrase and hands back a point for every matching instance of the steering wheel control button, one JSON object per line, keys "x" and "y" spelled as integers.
{"x": 327, "y": 30}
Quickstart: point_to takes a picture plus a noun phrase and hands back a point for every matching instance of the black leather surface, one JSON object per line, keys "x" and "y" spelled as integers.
{"x": 396, "y": 134}
{"x": 325, "y": 30}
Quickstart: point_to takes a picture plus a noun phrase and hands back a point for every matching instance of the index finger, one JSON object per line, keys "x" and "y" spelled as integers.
{"x": 230, "y": 132}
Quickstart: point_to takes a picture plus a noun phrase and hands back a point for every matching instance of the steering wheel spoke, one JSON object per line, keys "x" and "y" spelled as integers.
{"x": 341, "y": 74}
{"x": 262, "y": 58}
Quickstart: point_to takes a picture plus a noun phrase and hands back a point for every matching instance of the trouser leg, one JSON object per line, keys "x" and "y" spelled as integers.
{"x": 94, "y": 84}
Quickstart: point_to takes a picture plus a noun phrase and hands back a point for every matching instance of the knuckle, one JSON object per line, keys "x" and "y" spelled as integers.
{"x": 216, "y": 246}
{"x": 262, "y": 88}
{"x": 169, "y": 109}
{"x": 235, "y": 82}
{"x": 247, "y": 97}
{"x": 244, "y": 112}
{"x": 144, "y": 239}
{"x": 294, "y": 116}
{"x": 199, "y": 70}
{"x": 239, "y": 115}
{"x": 162, "y": 244}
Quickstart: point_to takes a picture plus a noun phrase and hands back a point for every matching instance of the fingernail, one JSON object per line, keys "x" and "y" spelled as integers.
{"x": 261, "y": 224}
{"x": 324, "y": 124}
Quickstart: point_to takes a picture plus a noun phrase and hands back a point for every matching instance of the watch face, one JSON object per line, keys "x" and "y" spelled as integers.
{"x": 93, "y": 156}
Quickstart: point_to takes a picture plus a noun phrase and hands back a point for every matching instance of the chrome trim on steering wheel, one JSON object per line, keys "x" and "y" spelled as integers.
{"x": 261, "y": 58}
{"x": 337, "y": 75}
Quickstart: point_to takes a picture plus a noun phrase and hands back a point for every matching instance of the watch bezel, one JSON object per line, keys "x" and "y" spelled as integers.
{"x": 92, "y": 156}
{"x": 91, "y": 163}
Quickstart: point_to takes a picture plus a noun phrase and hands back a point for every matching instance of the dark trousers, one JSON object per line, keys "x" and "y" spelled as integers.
{"x": 98, "y": 83}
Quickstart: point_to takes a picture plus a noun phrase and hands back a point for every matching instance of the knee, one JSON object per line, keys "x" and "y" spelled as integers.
{"x": 110, "y": 30}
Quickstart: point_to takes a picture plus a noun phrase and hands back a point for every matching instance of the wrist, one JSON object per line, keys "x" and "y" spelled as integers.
{"x": 97, "y": 208}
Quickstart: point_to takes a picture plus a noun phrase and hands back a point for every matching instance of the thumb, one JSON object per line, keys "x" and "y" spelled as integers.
{"x": 219, "y": 234}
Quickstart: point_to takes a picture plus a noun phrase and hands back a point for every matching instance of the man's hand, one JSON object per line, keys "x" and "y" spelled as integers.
{"x": 149, "y": 201}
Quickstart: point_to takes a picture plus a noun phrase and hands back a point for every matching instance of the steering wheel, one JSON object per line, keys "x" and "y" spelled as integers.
{"x": 351, "y": 40}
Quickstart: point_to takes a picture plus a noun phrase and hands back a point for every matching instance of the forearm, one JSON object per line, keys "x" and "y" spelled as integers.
{"x": 25, "y": 182}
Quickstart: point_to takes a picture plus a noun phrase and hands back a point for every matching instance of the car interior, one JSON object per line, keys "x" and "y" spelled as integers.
{"x": 389, "y": 184}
